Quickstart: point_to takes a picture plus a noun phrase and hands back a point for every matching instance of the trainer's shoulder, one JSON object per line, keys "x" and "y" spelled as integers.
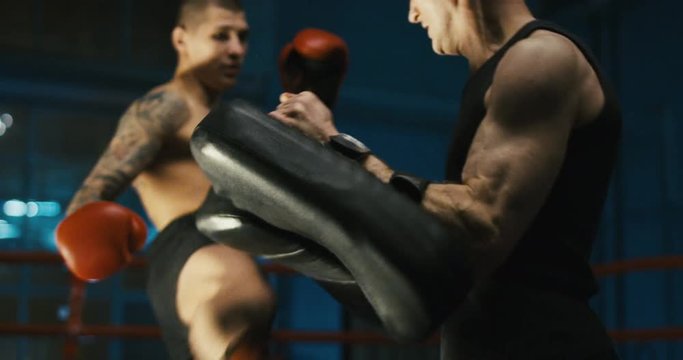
{"x": 545, "y": 53}
{"x": 544, "y": 63}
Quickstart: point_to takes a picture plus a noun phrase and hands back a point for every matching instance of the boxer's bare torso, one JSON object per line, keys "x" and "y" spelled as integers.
{"x": 173, "y": 184}
{"x": 150, "y": 150}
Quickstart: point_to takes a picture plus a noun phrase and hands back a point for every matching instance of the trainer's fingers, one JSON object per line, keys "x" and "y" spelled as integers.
{"x": 298, "y": 108}
{"x": 281, "y": 117}
{"x": 286, "y": 96}
{"x": 286, "y": 109}
{"x": 293, "y": 108}
{"x": 287, "y": 104}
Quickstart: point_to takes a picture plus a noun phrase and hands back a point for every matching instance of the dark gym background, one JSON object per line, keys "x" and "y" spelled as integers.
{"x": 68, "y": 68}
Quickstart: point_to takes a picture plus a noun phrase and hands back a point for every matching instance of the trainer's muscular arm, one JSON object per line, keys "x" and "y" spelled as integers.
{"x": 516, "y": 153}
{"x": 139, "y": 136}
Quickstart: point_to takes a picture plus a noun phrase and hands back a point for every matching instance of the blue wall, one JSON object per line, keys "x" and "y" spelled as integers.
{"x": 399, "y": 98}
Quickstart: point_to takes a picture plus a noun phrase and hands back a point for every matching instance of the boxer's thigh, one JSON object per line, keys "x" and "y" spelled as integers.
{"x": 222, "y": 275}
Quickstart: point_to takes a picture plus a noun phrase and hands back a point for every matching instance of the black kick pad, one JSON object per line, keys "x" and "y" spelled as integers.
{"x": 407, "y": 264}
{"x": 220, "y": 220}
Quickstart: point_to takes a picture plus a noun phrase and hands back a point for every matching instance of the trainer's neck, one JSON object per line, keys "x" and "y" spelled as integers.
{"x": 491, "y": 31}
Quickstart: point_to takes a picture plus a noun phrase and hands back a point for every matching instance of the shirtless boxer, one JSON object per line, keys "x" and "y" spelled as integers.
{"x": 527, "y": 175}
{"x": 210, "y": 300}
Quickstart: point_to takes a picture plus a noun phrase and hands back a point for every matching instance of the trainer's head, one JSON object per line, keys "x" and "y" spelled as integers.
{"x": 450, "y": 24}
{"x": 210, "y": 38}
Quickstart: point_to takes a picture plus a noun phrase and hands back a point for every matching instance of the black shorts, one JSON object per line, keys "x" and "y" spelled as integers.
{"x": 167, "y": 256}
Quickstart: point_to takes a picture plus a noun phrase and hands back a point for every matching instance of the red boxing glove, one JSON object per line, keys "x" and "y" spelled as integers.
{"x": 321, "y": 45}
{"x": 316, "y": 60}
{"x": 99, "y": 239}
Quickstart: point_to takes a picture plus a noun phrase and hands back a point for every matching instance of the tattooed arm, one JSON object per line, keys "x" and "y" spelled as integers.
{"x": 142, "y": 130}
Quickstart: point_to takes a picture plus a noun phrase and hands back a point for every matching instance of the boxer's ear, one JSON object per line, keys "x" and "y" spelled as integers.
{"x": 178, "y": 39}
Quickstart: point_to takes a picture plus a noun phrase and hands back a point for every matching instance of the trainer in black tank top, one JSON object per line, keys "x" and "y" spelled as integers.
{"x": 554, "y": 252}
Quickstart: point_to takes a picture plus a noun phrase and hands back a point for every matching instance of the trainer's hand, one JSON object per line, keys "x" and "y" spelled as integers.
{"x": 306, "y": 113}
{"x": 99, "y": 239}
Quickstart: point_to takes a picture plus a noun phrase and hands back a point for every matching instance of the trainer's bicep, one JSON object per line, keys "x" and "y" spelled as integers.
{"x": 519, "y": 148}
{"x": 521, "y": 143}
{"x": 511, "y": 171}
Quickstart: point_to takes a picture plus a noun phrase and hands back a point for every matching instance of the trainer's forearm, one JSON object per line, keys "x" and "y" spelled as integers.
{"x": 452, "y": 203}
{"x": 458, "y": 208}
{"x": 378, "y": 168}
{"x": 474, "y": 222}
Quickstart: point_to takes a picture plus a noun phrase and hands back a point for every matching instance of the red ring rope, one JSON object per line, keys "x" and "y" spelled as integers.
{"x": 74, "y": 327}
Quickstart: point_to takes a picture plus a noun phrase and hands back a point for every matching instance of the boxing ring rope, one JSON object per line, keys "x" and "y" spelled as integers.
{"x": 645, "y": 264}
{"x": 74, "y": 327}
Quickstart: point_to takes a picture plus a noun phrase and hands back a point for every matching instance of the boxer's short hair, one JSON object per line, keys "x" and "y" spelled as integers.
{"x": 190, "y": 8}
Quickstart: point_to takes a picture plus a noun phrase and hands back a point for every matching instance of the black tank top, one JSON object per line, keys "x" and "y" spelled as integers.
{"x": 554, "y": 252}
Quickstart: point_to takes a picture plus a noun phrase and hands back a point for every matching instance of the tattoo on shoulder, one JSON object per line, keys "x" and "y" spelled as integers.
{"x": 161, "y": 111}
{"x": 137, "y": 141}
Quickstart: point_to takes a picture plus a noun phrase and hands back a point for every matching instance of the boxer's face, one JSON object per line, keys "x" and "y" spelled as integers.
{"x": 216, "y": 45}
{"x": 440, "y": 18}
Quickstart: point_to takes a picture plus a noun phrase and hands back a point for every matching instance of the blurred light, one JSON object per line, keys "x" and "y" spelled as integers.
{"x": 31, "y": 209}
{"x": 15, "y": 208}
{"x": 7, "y": 119}
{"x": 8, "y": 231}
{"x": 48, "y": 241}
{"x": 63, "y": 312}
{"x": 3, "y": 128}
{"x": 49, "y": 208}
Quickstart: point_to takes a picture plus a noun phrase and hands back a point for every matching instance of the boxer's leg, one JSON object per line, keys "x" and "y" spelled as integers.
{"x": 226, "y": 303}
{"x": 191, "y": 276}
